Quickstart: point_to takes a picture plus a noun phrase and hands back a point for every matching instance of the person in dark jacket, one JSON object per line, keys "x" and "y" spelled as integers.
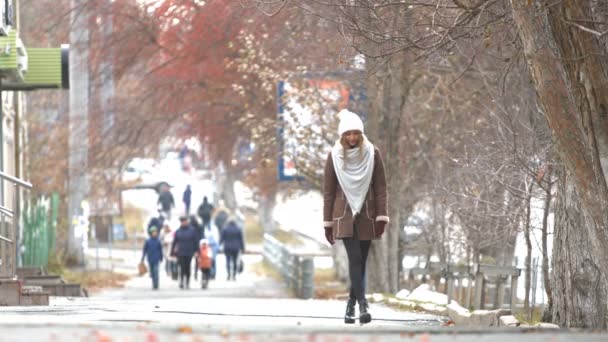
{"x": 221, "y": 217}
{"x": 200, "y": 234}
{"x": 204, "y": 211}
{"x": 187, "y": 199}
{"x": 153, "y": 249}
{"x": 166, "y": 202}
{"x": 156, "y": 222}
{"x": 232, "y": 240}
{"x": 185, "y": 245}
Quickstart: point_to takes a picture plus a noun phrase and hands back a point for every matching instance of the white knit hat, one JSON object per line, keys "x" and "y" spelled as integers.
{"x": 349, "y": 121}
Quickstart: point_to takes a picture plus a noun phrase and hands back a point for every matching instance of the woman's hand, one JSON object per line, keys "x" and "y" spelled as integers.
{"x": 380, "y": 225}
{"x": 329, "y": 235}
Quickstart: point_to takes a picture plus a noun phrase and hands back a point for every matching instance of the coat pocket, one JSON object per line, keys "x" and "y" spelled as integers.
{"x": 339, "y": 205}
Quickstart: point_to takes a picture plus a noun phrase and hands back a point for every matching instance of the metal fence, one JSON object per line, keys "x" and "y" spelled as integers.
{"x": 7, "y": 247}
{"x": 297, "y": 270}
{"x": 8, "y": 229}
{"x": 39, "y": 230}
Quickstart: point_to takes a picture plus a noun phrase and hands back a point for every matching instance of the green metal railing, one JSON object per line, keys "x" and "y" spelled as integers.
{"x": 39, "y": 230}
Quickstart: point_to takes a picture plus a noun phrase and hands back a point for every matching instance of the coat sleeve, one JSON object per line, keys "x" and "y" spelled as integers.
{"x": 380, "y": 188}
{"x": 195, "y": 241}
{"x": 145, "y": 250}
{"x": 172, "y": 250}
{"x": 330, "y": 182}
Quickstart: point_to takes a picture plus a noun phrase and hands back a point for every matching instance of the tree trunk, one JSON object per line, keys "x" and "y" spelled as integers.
{"x": 266, "y": 208}
{"x": 388, "y": 89}
{"x": 545, "y": 237}
{"x": 569, "y": 70}
{"x": 578, "y": 296}
{"x": 226, "y": 181}
{"x": 528, "y": 262}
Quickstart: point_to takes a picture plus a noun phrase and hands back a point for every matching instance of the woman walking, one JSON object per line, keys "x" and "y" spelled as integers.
{"x": 184, "y": 246}
{"x": 355, "y": 204}
{"x": 234, "y": 245}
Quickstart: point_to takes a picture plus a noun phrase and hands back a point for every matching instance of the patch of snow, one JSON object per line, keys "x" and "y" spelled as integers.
{"x": 302, "y": 213}
{"x": 402, "y": 294}
{"x": 424, "y": 294}
{"x": 377, "y": 297}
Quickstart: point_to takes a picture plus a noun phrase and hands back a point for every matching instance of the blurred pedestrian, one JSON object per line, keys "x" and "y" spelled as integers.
{"x": 231, "y": 238}
{"x": 200, "y": 234}
{"x": 166, "y": 201}
{"x": 153, "y": 249}
{"x": 156, "y": 222}
{"x": 215, "y": 248}
{"x": 354, "y": 204}
{"x": 166, "y": 237}
{"x": 205, "y": 260}
{"x": 221, "y": 216}
{"x": 204, "y": 211}
{"x": 186, "y": 198}
{"x": 185, "y": 246}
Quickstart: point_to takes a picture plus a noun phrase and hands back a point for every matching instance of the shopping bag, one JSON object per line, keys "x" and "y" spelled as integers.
{"x": 142, "y": 268}
{"x": 241, "y": 265}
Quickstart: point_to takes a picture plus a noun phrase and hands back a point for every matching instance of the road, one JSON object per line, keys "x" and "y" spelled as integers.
{"x": 253, "y": 308}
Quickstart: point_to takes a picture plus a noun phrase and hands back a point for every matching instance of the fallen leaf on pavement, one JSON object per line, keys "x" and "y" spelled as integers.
{"x": 449, "y": 323}
{"x": 185, "y": 329}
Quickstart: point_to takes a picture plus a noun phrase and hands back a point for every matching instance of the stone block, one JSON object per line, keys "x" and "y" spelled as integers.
{"x": 458, "y": 314}
{"x": 27, "y": 289}
{"x": 63, "y": 290}
{"x": 43, "y": 280}
{"x": 483, "y": 318}
{"x": 487, "y": 318}
{"x": 377, "y": 298}
{"x": 24, "y": 272}
{"x": 10, "y": 292}
{"x": 35, "y": 299}
{"x": 508, "y": 321}
{"x": 547, "y": 326}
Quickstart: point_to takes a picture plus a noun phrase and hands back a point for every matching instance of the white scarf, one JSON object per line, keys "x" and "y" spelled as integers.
{"x": 355, "y": 175}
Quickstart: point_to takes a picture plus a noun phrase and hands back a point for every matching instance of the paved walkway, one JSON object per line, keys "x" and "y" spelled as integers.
{"x": 252, "y": 304}
{"x": 253, "y": 308}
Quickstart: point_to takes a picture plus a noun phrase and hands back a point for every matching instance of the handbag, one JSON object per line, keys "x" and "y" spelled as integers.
{"x": 241, "y": 265}
{"x": 142, "y": 268}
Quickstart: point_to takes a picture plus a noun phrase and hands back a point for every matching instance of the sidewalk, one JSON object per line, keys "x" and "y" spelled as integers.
{"x": 254, "y": 308}
{"x": 252, "y": 304}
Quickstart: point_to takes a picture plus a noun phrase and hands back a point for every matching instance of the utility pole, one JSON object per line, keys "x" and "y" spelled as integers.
{"x": 79, "y": 124}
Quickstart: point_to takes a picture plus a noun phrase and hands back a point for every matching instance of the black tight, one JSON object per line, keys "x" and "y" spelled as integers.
{"x": 184, "y": 266}
{"x": 357, "y": 252}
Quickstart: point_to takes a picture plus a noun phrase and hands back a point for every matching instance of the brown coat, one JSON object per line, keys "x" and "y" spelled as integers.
{"x": 337, "y": 213}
